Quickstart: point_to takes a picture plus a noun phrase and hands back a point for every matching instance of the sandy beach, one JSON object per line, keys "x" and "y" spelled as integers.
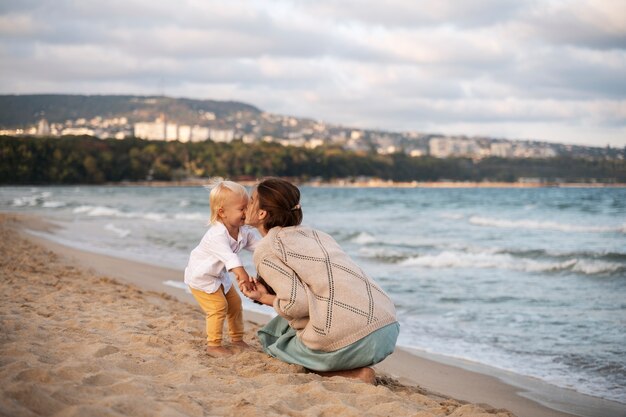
{"x": 90, "y": 335}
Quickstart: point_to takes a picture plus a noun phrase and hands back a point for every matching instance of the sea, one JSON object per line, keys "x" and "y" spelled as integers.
{"x": 530, "y": 281}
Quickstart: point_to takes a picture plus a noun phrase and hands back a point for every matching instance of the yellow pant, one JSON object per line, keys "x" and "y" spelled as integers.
{"x": 219, "y": 306}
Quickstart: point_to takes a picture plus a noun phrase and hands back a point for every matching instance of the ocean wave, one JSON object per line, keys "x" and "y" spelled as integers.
{"x": 596, "y": 267}
{"x": 451, "y": 216}
{"x": 588, "y": 262}
{"x": 119, "y": 232}
{"x": 177, "y": 284}
{"x": 53, "y": 204}
{"x": 452, "y": 259}
{"x": 539, "y": 225}
{"x": 31, "y": 200}
{"x": 381, "y": 254}
{"x": 157, "y": 217}
{"x": 582, "y": 256}
{"x": 104, "y": 211}
{"x": 99, "y": 211}
{"x": 24, "y": 202}
{"x": 363, "y": 238}
{"x": 190, "y": 216}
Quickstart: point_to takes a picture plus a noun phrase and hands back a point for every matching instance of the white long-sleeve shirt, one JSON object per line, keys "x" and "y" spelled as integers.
{"x": 215, "y": 255}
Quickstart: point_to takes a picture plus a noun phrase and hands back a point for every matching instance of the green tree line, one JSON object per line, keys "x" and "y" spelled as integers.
{"x": 87, "y": 160}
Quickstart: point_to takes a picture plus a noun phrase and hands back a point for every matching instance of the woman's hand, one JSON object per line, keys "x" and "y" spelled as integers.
{"x": 258, "y": 293}
{"x": 253, "y": 293}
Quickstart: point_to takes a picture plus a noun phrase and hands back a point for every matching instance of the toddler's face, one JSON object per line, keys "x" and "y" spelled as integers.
{"x": 234, "y": 210}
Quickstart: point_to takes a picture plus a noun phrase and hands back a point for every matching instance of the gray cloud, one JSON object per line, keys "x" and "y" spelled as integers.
{"x": 586, "y": 23}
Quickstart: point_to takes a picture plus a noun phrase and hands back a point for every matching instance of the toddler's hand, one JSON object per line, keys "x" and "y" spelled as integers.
{"x": 255, "y": 293}
{"x": 246, "y": 286}
{"x": 243, "y": 278}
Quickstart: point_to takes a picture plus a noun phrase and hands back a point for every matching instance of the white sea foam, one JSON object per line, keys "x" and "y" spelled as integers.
{"x": 30, "y": 201}
{"x": 177, "y": 284}
{"x": 489, "y": 260}
{"x": 363, "y": 238}
{"x": 98, "y": 211}
{"x": 118, "y": 231}
{"x": 595, "y": 267}
{"x": 104, "y": 211}
{"x": 53, "y": 204}
{"x": 33, "y": 200}
{"x": 381, "y": 253}
{"x": 533, "y": 224}
{"x": 190, "y": 216}
{"x": 157, "y": 217}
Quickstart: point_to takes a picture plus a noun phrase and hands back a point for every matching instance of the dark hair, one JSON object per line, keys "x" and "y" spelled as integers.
{"x": 281, "y": 200}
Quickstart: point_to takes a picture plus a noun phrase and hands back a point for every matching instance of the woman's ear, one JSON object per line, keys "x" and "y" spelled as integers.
{"x": 262, "y": 214}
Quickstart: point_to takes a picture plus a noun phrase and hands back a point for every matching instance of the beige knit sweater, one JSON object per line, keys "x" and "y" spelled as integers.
{"x": 320, "y": 291}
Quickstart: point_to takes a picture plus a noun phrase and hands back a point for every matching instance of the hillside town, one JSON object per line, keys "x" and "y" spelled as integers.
{"x": 251, "y": 127}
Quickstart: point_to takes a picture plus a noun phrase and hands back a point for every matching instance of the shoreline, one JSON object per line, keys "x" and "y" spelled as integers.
{"x": 463, "y": 380}
{"x": 349, "y": 183}
{"x": 377, "y": 183}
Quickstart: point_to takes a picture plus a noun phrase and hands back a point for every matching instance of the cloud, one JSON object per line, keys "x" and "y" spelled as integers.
{"x": 410, "y": 65}
{"x": 586, "y": 23}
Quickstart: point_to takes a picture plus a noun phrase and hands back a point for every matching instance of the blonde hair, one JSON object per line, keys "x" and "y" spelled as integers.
{"x": 219, "y": 189}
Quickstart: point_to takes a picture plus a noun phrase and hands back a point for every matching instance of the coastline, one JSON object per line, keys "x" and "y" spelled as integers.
{"x": 459, "y": 379}
{"x": 378, "y": 183}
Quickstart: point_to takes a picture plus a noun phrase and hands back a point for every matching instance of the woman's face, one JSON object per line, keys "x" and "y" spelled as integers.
{"x": 252, "y": 213}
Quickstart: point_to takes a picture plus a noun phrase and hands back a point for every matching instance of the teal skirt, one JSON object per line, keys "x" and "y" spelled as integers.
{"x": 280, "y": 341}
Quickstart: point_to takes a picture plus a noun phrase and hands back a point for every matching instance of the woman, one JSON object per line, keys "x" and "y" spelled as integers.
{"x": 332, "y": 318}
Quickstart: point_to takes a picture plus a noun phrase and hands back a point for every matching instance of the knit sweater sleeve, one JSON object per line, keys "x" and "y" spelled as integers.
{"x": 291, "y": 298}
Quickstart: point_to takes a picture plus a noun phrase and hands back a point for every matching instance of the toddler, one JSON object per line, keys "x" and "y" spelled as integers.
{"x": 206, "y": 273}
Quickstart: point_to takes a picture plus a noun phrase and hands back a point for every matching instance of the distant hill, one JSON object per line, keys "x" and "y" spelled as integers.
{"x": 25, "y": 110}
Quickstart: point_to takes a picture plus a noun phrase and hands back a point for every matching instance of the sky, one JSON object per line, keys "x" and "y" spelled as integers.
{"x": 549, "y": 70}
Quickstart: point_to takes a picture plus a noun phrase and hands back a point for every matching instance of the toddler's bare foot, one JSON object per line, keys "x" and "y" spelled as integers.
{"x": 218, "y": 351}
{"x": 364, "y": 374}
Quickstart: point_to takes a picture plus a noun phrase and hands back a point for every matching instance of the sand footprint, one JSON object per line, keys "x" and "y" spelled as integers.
{"x": 145, "y": 367}
{"x": 99, "y": 380}
{"x": 34, "y": 375}
{"x": 105, "y": 351}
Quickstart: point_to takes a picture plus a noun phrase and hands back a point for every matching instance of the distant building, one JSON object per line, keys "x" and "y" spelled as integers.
{"x": 356, "y": 134}
{"x": 151, "y": 130}
{"x": 78, "y": 131}
{"x": 160, "y": 130}
{"x": 501, "y": 149}
{"x": 43, "y": 128}
{"x": 199, "y": 133}
{"x": 184, "y": 133}
{"x": 218, "y": 135}
{"x": 171, "y": 131}
{"x": 192, "y": 133}
{"x": 445, "y": 147}
{"x": 314, "y": 143}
